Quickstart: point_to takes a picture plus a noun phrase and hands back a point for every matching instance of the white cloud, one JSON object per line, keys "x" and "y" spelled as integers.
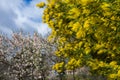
{"x": 44, "y": 27}
{"x": 17, "y": 14}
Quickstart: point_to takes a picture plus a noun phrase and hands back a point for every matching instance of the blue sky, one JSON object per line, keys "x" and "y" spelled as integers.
{"x": 28, "y": 1}
{"x": 21, "y": 14}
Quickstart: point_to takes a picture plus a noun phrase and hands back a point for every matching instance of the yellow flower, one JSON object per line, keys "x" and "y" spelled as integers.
{"x": 80, "y": 44}
{"x": 40, "y": 5}
{"x": 71, "y": 24}
{"x": 87, "y": 44}
{"x": 59, "y": 71}
{"x": 78, "y": 63}
{"x": 76, "y": 26}
{"x": 118, "y": 73}
{"x": 114, "y": 28}
{"x": 58, "y": 66}
{"x": 86, "y": 11}
{"x": 101, "y": 64}
{"x": 98, "y": 46}
{"x": 112, "y": 55}
{"x": 107, "y": 13}
{"x": 87, "y": 50}
{"x": 47, "y": 18}
{"x": 105, "y": 6}
{"x": 86, "y": 24}
{"x": 46, "y": 10}
{"x": 74, "y": 13}
{"x": 113, "y": 18}
{"x": 61, "y": 64}
{"x": 67, "y": 1}
{"x": 114, "y": 47}
{"x": 103, "y": 19}
{"x": 72, "y": 61}
{"x": 113, "y": 63}
{"x": 57, "y": 53}
{"x": 112, "y": 76}
{"x": 57, "y": 6}
{"x": 60, "y": 22}
{"x": 97, "y": 35}
{"x": 101, "y": 51}
{"x": 80, "y": 33}
{"x": 51, "y": 23}
{"x": 85, "y": 2}
{"x": 51, "y": 3}
{"x": 62, "y": 39}
{"x": 65, "y": 55}
{"x": 81, "y": 55}
{"x": 93, "y": 65}
{"x": 50, "y": 13}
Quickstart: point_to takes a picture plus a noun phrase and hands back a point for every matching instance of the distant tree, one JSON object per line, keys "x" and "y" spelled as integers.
{"x": 26, "y": 57}
{"x": 5, "y": 51}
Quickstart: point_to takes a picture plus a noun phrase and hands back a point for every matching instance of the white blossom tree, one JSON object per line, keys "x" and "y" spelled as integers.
{"x": 26, "y": 57}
